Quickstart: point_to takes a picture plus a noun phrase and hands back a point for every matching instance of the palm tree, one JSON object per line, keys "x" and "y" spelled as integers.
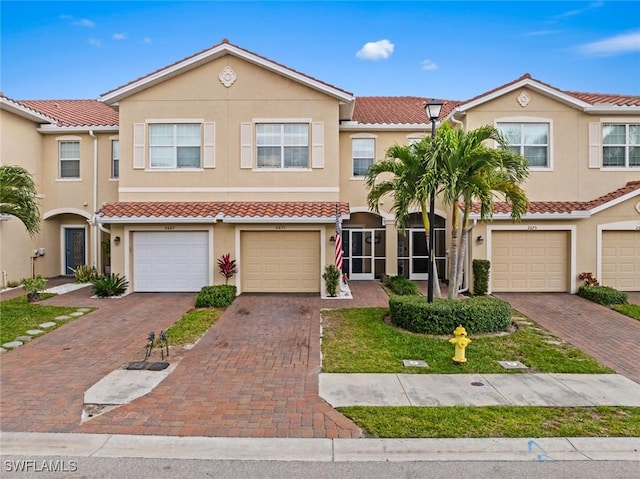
{"x": 18, "y": 197}
{"x": 403, "y": 174}
{"x": 468, "y": 171}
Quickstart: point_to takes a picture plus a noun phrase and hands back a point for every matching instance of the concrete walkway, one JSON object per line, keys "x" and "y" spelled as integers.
{"x": 557, "y": 390}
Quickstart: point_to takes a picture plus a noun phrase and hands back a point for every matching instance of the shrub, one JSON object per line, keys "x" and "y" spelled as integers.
{"x": 13, "y": 284}
{"x": 402, "y": 286}
{"x": 109, "y": 285}
{"x": 331, "y": 277}
{"x": 227, "y": 267}
{"x": 589, "y": 279}
{"x": 85, "y": 274}
{"x": 602, "y": 295}
{"x": 33, "y": 287}
{"x": 218, "y": 296}
{"x": 481, "y": 276}
{"x": 479, "y": 314}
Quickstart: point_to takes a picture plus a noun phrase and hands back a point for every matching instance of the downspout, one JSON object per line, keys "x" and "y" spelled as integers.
{"x": 94, "y": 229}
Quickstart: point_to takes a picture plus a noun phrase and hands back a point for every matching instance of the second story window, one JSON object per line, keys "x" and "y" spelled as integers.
{"x": 363, "y": 153}
{"x": 115, "y": 159}
{"x": 174, "y": 146}
{"x": 530, "y": 140}
{"x": 620, "y": 146}
{"x": 282, "y": 145}
{"x": 69, "y": 156}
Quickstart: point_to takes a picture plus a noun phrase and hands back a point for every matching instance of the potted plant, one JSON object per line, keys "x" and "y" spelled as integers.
{"x": 331, "y": 277}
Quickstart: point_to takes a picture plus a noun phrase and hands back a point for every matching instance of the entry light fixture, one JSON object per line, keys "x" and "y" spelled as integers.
{"x": 116, "y": 240}
{"x": 480, "y": 239}
{"x": 332, "y": 240}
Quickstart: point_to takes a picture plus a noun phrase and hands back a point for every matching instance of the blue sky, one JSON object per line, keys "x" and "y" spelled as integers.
{"x": 452, "y": 50}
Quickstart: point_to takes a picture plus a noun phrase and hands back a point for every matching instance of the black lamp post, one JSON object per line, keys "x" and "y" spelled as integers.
{"x": 432, "y": 108}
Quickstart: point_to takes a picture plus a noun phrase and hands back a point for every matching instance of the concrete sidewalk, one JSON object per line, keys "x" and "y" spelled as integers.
{"x": 319, "y": 450}
{"x": 559, "y": 390}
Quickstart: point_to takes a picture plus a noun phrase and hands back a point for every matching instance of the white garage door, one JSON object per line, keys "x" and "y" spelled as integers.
{"x": 170, "y": 261}
{"x": 280, "y": 262}
{"x": 528, "y": 261}
{"x": 621, "y": 260}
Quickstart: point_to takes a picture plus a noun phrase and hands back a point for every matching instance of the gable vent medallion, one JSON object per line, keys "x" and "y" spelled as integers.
{"x": 227, "y": 76}
{"x": 523, "y": 99}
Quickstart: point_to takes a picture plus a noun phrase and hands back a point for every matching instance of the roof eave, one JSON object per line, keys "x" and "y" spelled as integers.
{"x": 212, "y": 54}
{"x": 613, "y": 109}
{"x": 386, "y": 127}
{"x": 102, "y": 219}
{"x": 24, "y": 112}
{"x": 52, "y": 129}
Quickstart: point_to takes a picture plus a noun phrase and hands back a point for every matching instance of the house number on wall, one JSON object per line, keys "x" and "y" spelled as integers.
{"x": 532, "y": 228}
{"x": 169, "y": 227}
{"x": 280, "y": 227}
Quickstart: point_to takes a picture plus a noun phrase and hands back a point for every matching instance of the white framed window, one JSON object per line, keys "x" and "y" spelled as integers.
{"x": 620, "y": 145}
{"x": 363, "y": 154}
{"x": 69, "y": 158}
{"x": 530, "y": 140}
{"x": 173, "y": 146}
{"x": 115, "y": 159}
{"x": 282, "y": 145}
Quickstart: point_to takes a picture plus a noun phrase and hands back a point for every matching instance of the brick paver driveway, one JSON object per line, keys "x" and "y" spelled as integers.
{"x": 254, "y": 374}
{"x": 610, "y": 337}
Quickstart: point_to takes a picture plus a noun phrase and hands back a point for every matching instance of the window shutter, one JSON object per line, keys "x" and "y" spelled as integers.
{"x": 209, "y": 157}
{"x": 594, "y": 144}
{"x": 245, "y": 146}
{"x": 317, "y": 139}
{"x": 138, "y": 145}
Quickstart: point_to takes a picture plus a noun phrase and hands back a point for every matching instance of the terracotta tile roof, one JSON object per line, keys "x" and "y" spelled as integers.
{"x": 224, "y": 42}
{"x": 549, "y": 207}
{"x": 234, "y": 209}
{"x": 395, "y": 109}
{"x": 75, "y": 112}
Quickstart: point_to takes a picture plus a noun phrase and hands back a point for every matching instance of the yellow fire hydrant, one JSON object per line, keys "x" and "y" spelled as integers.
{"x": 461, "y": 342}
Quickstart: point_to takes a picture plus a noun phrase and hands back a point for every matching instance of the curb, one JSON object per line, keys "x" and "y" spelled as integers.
{"x": 320, "y": 450}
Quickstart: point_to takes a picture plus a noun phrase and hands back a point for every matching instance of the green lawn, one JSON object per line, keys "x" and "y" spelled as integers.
{"x": 359, "y": 341}
{"x": 17, "y": 316}
{"x": 495, "y": 421}
{"x": 631, "y": 310}
{"x": 192, "y": 325}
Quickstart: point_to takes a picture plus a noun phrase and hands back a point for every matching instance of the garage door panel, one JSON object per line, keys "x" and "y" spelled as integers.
{"x": 529, "y": 261}
{"x": 280, "y": 261}
{"x": 621, "y": 260}
{"x": 170, "y": 261}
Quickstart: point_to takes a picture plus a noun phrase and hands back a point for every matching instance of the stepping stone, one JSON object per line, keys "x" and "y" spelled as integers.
{"x": 35, "y": 332}
{"x": 24, "y": 339}
{"x": 12, "y": 344}
{"x": 62, "y": 318}
{"x": 137, "y": 365}
{"x": 47, "y": 325}
{"x": 84, "y": 310}
{"x": 77, "y": 313}
{"x": 2, "y": 350}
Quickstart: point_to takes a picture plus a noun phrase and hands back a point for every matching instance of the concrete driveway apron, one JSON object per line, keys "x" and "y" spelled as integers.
{"x": 610, "y": 337}
{"x": 253, "y": 374}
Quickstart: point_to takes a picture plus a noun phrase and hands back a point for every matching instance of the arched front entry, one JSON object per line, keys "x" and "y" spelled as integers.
{"x": 68, "y": 233}
{"x": 413, "y": 255}
{"x": 363, "y": 244}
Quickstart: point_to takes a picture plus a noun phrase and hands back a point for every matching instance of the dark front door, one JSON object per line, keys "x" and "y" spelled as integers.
{"x": 74, "y": 245}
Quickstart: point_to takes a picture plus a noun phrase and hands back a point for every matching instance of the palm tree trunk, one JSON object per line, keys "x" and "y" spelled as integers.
{"x": 437, "y": 293}
{"x": 454, "y": 252}
{"x": 464, "y": 240}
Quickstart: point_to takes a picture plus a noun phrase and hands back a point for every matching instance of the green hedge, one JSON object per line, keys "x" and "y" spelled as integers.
{"x": 218, "y": 296}
{"x": 481, "y": 276}
{"x": 478, "y": 314}
{"x": 402, "y": 286}
{"x": 603, "y": 295}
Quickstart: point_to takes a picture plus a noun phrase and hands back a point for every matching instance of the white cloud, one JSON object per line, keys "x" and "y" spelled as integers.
{"x": 119, "y": 36}
{"x": 146, "y": 40}
{"x": 429, "y": 65}
{"x": 85, "y": 22}
{"x": 376, "y": 50}
{"x": 578, "y": 11}
{"x": 96, "y": 42}
{"x": 619, "y": 44}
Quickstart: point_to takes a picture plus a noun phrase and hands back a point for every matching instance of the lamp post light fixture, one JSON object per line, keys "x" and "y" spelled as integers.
{"x": 432, "y": 108}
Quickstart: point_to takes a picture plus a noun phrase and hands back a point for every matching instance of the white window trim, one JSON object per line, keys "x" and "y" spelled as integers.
{"x": 69, "y": 138}
{"x": 111, "y": 140}
{"x": 282, "y": 121}
{"x": 616, "y": 121}
{"x": 532, "y": 119}
{"x": 174, "y": 121}
{"x": 362, "y": 136}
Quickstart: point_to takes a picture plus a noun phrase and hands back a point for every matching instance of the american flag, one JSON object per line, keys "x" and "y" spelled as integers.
{"x": 338, "y": 242}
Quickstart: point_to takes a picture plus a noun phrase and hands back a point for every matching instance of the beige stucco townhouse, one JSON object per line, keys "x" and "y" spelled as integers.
{"x": 227, "y": 151}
